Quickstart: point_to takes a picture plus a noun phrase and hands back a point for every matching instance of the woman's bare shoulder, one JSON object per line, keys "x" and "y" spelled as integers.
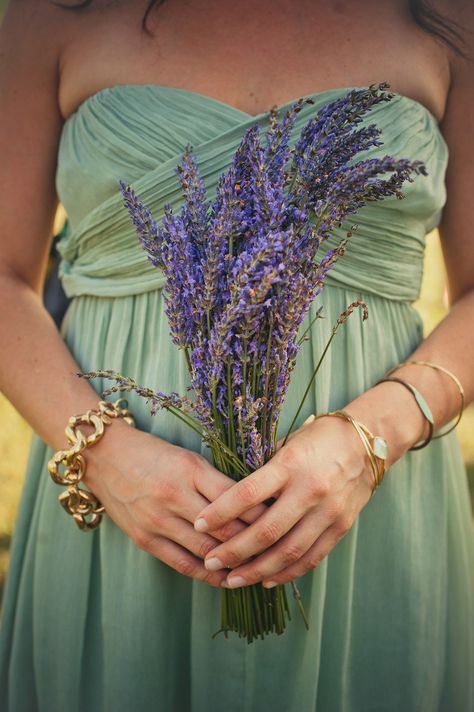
{"x": 30, "y": 130}
{"x": 42, "y": 22}
{"x": 458, "y": 130}
{"x": 32, "y": 36}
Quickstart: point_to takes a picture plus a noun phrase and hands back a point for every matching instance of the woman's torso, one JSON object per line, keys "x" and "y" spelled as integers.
{"x": 251, "y": 54}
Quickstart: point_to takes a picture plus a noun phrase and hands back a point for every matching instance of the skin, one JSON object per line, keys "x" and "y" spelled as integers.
{"x": 50, "y": 62}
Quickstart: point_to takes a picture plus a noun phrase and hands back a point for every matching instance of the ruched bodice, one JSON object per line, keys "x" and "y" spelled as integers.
{"x": 138, "y": 133}
{"x": 91, "y": 621}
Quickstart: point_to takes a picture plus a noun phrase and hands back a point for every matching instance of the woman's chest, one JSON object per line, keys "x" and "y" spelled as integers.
{"x": 252, "y": 54}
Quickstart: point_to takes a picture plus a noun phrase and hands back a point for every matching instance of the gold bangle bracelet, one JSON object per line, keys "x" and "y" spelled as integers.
{"x": 364, "y": 434}
{"x": 370, "y": 442}
{"x": 84, "y": 506}
{"x": 451, "y": 375}
{"x": 422, "y": 405}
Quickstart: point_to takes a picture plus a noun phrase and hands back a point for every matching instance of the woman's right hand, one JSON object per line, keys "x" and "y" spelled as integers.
{"x": 153, "y": 490}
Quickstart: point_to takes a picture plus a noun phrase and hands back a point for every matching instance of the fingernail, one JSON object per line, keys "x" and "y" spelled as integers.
{"x": 269, "y": 584}
{"x": 236, "y": 582}
{"x": 200, "y": 525}
{"x": 213, "y": 564}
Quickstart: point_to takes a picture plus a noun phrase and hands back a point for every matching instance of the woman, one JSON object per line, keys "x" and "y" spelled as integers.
{"x": 107, "y": 620}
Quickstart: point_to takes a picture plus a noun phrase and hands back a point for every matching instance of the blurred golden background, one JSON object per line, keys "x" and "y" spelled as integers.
{"x": 15, "y": 433}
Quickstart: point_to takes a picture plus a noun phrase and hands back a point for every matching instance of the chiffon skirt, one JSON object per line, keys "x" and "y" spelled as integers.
{"x": 93, "y": 623}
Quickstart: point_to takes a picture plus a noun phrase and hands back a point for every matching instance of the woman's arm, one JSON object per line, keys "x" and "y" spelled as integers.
{"x": 151, "y": 488}
{"x": 321, "y": 477}
{"x": 35, "y": 365}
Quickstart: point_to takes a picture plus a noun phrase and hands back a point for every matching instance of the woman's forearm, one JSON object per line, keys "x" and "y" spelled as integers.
{"x": 37, "y": 371}
{"x": 389, "y": 410}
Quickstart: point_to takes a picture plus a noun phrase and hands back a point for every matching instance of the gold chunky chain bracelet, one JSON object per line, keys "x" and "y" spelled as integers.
{"x": 81, "y": 503}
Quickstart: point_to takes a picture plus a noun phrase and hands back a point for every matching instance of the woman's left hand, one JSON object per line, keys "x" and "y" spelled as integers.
{"x": 321, "y": 479}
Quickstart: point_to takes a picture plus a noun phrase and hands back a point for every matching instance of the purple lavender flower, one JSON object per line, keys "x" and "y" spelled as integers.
{"x": 242, "y": 271}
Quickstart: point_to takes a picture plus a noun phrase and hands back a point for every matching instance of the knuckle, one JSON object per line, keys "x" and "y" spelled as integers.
{"x": 247, "y": 491}
{"x": 313, "y": 561}
{"x": 154, "y": 521}
{"x": 343, "y": 524}
{"x": 189, "y": 459}
{"x": 255, "y": 575}
{"x": 290, "y": 457}
{"x": 318, "y": 488}
{"x": 192, "y": 463}
{"x": 212, "y": 579}
{"x": 205, "y": 547}
{"x": 267, "y": 533}
{"x": 291, "y": 553}
{"x": 227, "y": 531}
{"x": 141, "y": 540}
{"x": 166, "y": 490}
{"x": 231, "y": 559}
{"x": 336, "y": 508}
{"x": 186, "y": 567}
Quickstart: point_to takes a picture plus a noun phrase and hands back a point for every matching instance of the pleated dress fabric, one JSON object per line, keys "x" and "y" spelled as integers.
{"x": 91, "y": 622}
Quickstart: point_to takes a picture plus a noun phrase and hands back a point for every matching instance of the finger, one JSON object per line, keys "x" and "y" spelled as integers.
{"x": 236, "y": 500}
{"x": 286, "y": 552}
{"x": 180, "y": 560}
{"x": 313, "y": 557}
{"x": 194, "y": 503}
{"x": 211, "y": 484}
{"x": 261, "y": 535}
{"x": 183, "y": 533}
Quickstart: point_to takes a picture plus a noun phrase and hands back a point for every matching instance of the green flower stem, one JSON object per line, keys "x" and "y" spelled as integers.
{"x": 299, "y": 603}
{"x": 301, "y": 339}
{"x": 244, "y": 371}
{"x": 218, "y": 420}
{"x": 309, "y": 385}
{"x": 230, "y": 456}
{"x": 255, "y": 368}
{"x": 267, "y": 377}
{"x": 218, "y": 461}
{"x": 257, "y": 608}
{"x": 188, "y": 359}
{"x": 270, "y": 419}
{"x": 230, "y": 413}
{"x": 241, "y": 433}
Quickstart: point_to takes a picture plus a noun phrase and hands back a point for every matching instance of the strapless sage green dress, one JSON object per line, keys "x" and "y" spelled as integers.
{"x": 93, "y": 623}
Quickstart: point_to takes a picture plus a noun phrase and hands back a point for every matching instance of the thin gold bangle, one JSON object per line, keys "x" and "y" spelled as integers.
{"x": 422, "y": 405}
{"x": 378, "y": 475}
{"x": 364, "y": 434}
{"x": 454, "y": 378}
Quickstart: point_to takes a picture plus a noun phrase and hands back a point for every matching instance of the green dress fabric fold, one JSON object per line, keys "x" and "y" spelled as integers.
{"x": 91, "y": 622}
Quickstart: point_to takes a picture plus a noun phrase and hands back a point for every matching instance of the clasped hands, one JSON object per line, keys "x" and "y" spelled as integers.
{"x": 173, "y": 504}
{"x": 320, "y": 480}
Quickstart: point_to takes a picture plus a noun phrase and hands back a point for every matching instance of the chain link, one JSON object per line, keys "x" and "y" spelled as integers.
{"x": 82, "y": 504}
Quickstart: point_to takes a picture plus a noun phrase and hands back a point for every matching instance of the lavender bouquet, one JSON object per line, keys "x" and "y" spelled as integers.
{"x": 241, "y": 273}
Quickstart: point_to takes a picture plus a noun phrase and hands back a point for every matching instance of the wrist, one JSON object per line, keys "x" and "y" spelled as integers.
{"x": 391, "y": 412}
{"x": 113, "y": 447}
{"x": 83, "y": 504}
